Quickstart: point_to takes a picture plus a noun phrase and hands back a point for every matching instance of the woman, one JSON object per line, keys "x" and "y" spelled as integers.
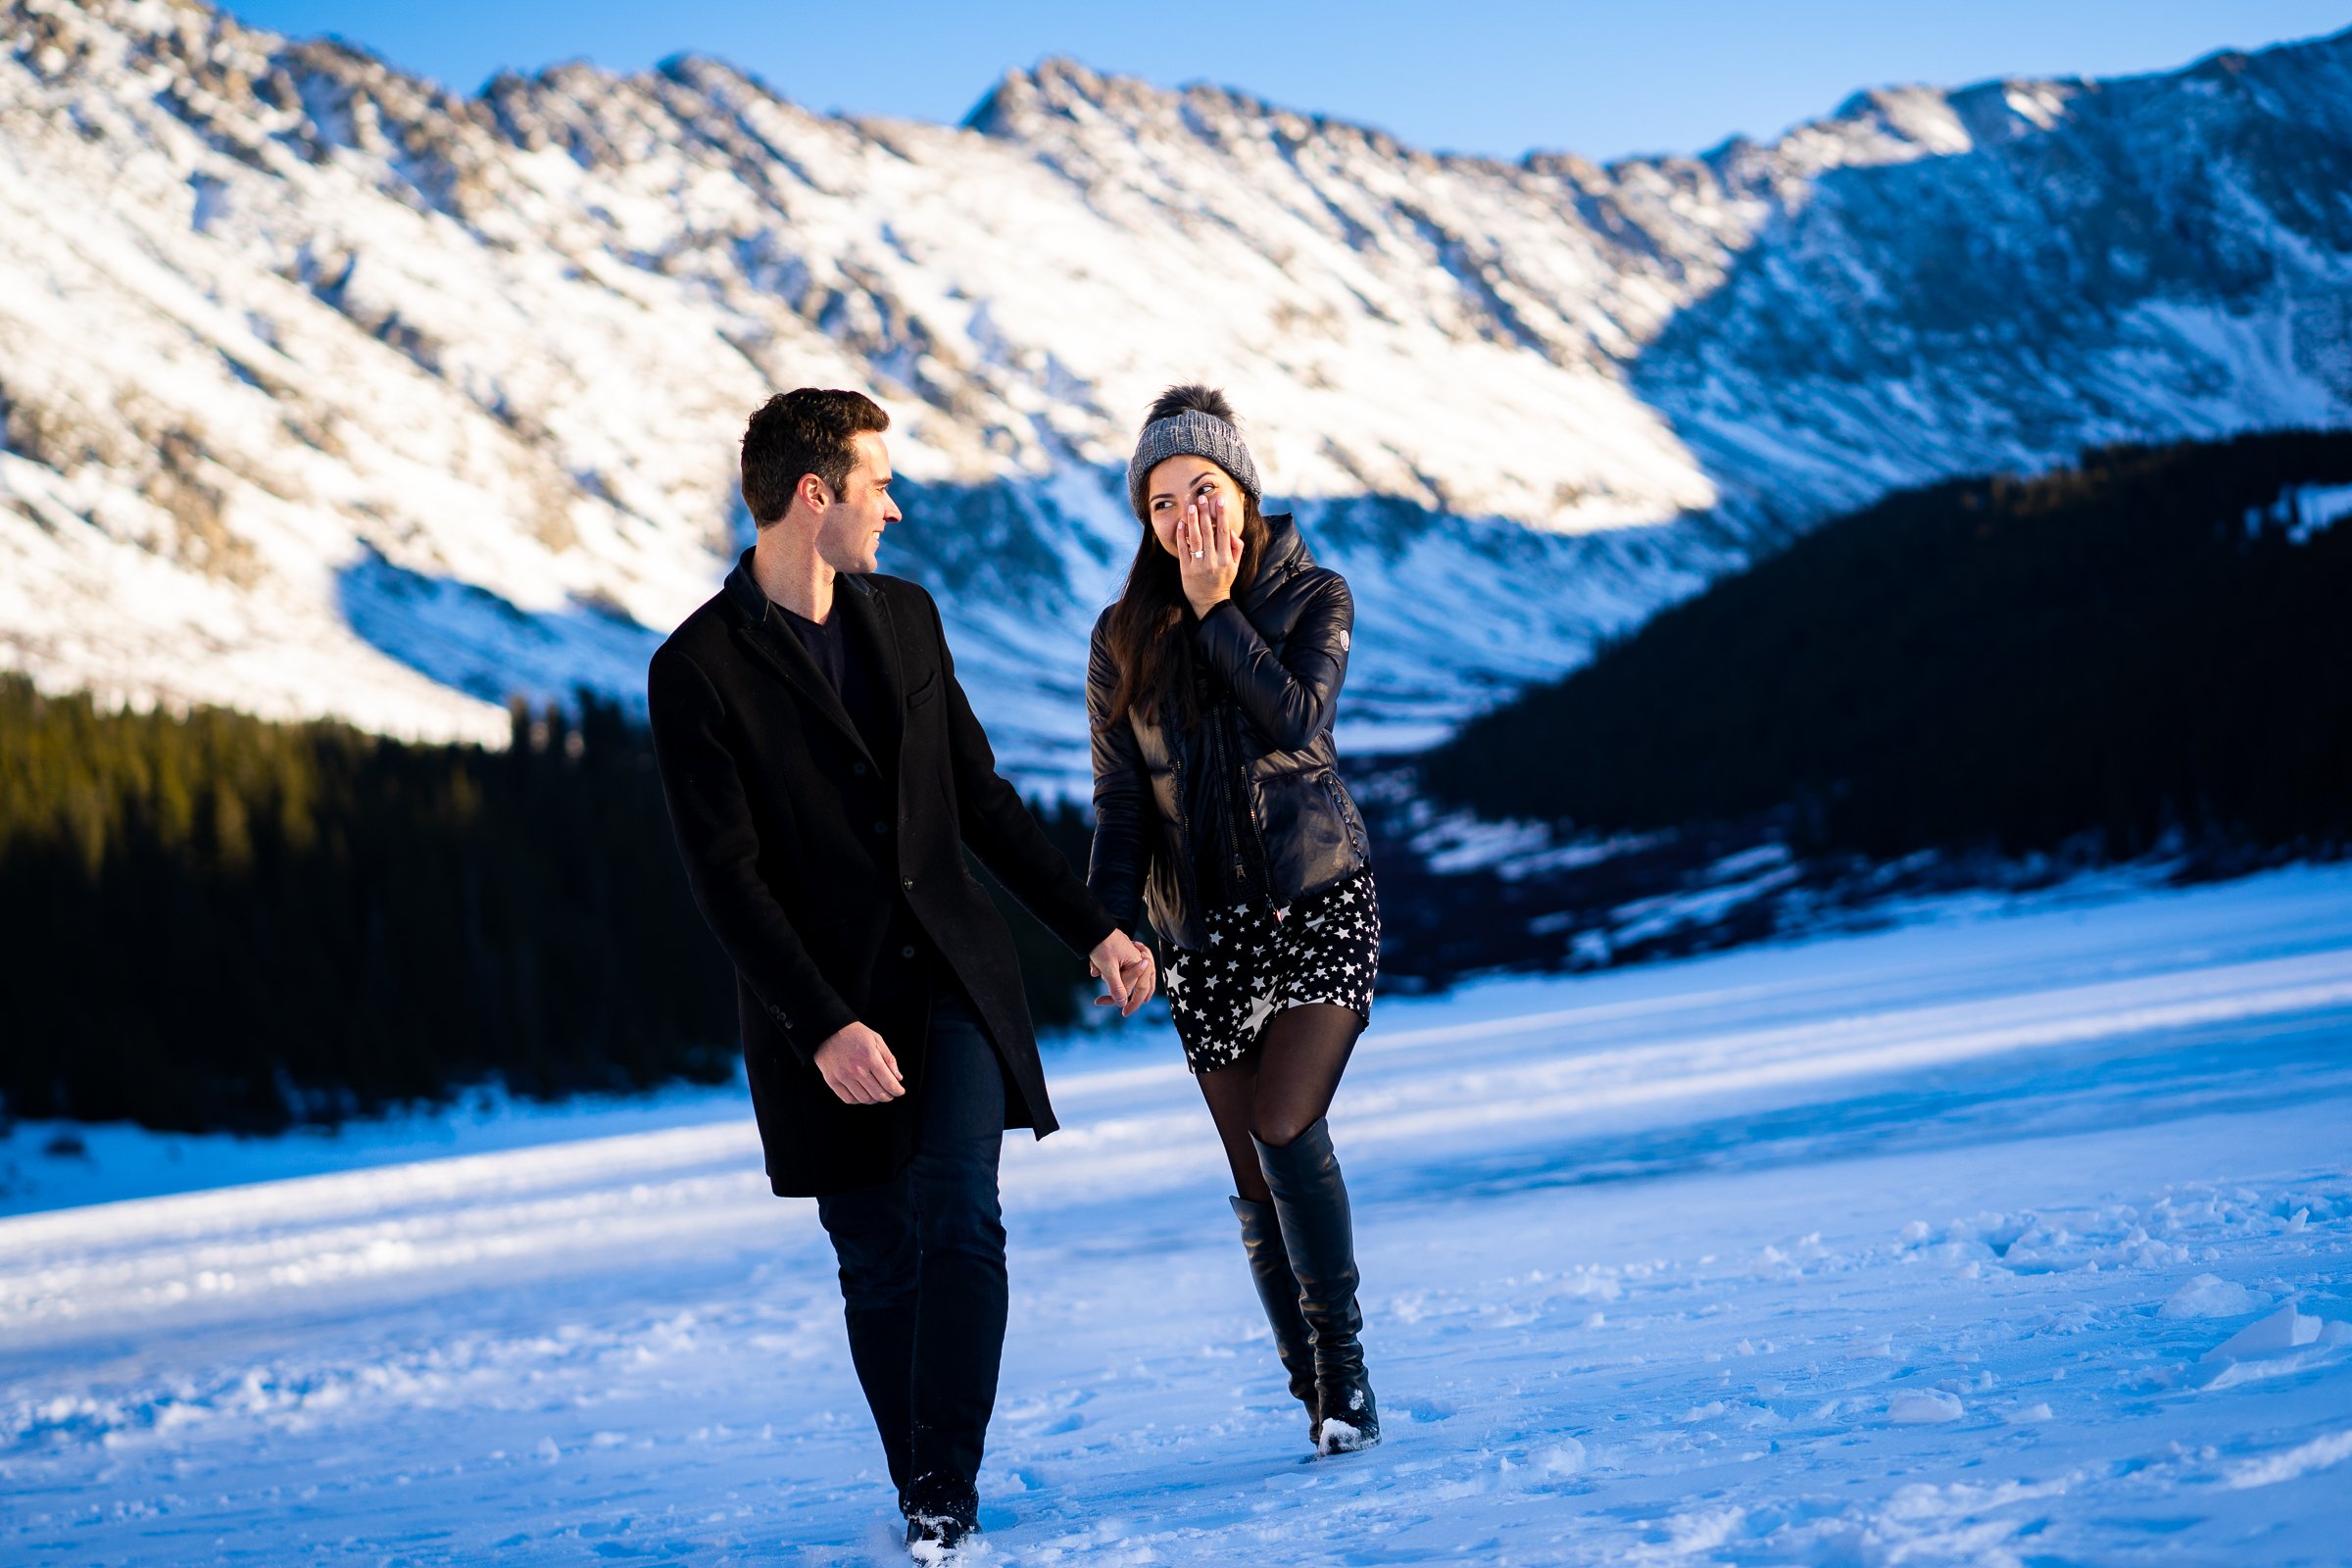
{"x": 1210, "y": 691}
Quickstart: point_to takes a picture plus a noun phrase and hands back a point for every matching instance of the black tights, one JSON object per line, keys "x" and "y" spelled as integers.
{"x": 1280, "y": 1089}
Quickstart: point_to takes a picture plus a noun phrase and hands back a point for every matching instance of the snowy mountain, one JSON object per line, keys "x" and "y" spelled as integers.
{"x": 322, "y": 389}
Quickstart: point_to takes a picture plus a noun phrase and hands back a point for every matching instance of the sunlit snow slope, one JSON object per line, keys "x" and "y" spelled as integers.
{"x": 322, "y": 389}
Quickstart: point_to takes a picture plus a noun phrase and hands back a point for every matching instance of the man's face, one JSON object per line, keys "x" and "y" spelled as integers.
{"x": 849, "y": 532}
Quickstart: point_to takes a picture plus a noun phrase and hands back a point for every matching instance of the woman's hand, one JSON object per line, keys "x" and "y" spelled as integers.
{"x": 1208, "y": 552}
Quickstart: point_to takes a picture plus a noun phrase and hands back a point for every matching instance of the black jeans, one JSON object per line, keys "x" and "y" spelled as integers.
{"x": 923, "y": 1273}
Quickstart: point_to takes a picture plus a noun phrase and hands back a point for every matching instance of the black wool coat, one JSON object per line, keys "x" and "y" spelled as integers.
{"x": 833, "y": 871}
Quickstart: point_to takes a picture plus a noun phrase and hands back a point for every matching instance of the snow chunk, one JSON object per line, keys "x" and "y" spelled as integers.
{"x": 2284, "y": 1330}
{"x": 2211, "y": 1295}
{"x": 1923, "y": 1405}
{"x": 1563, "y": 1459}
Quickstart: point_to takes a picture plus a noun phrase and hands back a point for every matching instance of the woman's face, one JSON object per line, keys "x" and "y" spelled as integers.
{"x": 1178, "y": 481}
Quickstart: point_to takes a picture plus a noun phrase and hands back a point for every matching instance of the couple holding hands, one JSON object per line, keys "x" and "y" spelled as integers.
{"x": 825, "y": 774}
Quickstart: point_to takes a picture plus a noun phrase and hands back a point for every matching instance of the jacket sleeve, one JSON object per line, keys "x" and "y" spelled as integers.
{"x": 997, "y": 825}
{"x": 713, "y": 819}
{"x": 1294, "y": 697}
{"x": 1124, "y": 811}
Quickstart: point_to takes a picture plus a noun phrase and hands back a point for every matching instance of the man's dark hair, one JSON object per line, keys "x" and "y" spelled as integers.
{"x": 810, "y": 430}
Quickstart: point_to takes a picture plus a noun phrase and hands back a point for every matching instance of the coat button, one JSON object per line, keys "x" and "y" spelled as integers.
{"x": 907, "y": 953}
{"x": 857, "y": 769}
{"x": 907, "y": 883}
{"x": 881, "y": 829}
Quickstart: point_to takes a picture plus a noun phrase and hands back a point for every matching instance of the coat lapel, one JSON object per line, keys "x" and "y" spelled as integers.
{"x": 775, "y": 647}
{"x": 874, "y": 636}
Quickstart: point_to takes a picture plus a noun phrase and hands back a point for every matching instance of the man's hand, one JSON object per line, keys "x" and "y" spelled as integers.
{"x": 1125, "y": 968}
{"x": 859, "y": 1067}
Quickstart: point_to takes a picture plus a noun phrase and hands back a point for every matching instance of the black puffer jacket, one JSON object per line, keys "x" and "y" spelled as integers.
{"x": 1281, "y": 650}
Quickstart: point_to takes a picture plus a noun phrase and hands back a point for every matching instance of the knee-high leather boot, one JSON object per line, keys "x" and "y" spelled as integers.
{"x": 1278, "y": 1292}
{"x": 1310, "y": 1200}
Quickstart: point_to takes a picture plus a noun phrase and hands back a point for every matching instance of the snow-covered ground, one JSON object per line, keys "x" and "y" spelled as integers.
{"x": 2010, "y": 1235}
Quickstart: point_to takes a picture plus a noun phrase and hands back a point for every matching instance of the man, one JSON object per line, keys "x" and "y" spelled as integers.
{"x": 824, "y": 776}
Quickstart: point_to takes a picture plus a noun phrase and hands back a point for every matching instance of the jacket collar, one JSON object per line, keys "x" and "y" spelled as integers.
{"x": 1285, "y": 555}
{"x": 743, "y": 593}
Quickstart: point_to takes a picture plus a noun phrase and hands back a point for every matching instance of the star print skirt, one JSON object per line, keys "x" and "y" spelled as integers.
{"x": 1259, "y": 960}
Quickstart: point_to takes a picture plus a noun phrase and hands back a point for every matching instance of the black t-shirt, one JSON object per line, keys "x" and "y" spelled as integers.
{"x": 827, "y": 646}
{"x": 843, "y": 664}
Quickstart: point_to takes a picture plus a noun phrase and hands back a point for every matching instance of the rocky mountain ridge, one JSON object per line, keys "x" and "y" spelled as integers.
{"x": 324, "y": 389}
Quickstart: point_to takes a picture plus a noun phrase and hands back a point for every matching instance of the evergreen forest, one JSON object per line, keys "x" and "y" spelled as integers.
{"x": 2152, "y": 647}
{"x": 211, "y": 920}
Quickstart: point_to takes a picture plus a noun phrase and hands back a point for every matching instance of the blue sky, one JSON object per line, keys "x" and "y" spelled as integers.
{"x": 1496, "y": 76}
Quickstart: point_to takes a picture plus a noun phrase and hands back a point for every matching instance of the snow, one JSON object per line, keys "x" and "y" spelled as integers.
{"x": 1725, "y": 886}
{"x": 2304, "y": 511}
{"x": 2210, "y": 1296}
{"x": 1515, "y": 849}
{"x": 110, "y": 1162}
{"x": 2316, "y": 1454}
{"x": 1912, "y": 1405}
{"x": 2017, "y": 1233}
{"x": 2319, "y": 508}
{"x": 2282, "y": 1330}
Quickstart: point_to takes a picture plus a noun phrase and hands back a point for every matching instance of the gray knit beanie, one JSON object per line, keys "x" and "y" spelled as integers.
{"x": 1190, "y": 432}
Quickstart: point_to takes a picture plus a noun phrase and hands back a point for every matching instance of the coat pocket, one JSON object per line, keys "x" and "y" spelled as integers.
{"x": 1351, "y": 822}
{"x": 925, "y": 692}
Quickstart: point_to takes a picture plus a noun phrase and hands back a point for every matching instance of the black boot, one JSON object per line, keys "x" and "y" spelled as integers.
{"x": 1310, "y": 1200}
{"x": 1277, "y": 1291}
{"x": 933, "y": 1538}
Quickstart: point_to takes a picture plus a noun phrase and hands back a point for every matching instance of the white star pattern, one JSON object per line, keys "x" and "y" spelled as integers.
{"x": 1329, "y": 955}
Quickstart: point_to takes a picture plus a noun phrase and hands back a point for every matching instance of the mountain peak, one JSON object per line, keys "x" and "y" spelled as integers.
{"x": 1062, "y": 92}
{"x": 1058, "y": 87}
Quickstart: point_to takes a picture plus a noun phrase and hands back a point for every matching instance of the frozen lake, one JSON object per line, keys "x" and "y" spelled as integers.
{"x": 2017, "y": 1234}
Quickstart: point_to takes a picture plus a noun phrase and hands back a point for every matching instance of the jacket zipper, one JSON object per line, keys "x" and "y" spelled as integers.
{"x": 1184, "y": 824}
{"x": 1255, "y": 828}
